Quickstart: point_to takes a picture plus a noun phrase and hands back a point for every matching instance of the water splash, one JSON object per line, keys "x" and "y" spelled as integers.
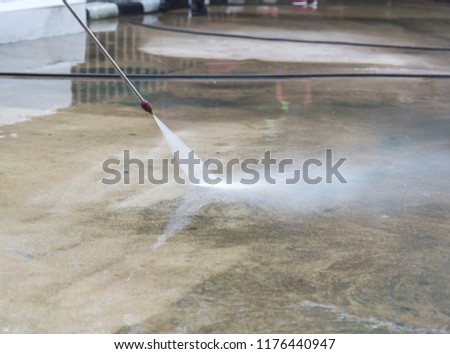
{"x": 279, "y": 195}
{"x": 177, "y": 145}
{"x": 188, "y": 208}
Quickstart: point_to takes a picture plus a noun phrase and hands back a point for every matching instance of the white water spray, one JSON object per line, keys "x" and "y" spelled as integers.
{"x": 176, "y": 144}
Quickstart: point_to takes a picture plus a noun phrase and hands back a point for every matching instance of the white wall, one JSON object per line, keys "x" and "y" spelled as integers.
{"x": 22, "y": 20}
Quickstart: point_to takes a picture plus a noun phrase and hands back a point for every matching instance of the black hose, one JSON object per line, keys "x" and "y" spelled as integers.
{"x": 30, "y": 75}
{"x": 19, "y": 75}
{"x": 290, "y": 40}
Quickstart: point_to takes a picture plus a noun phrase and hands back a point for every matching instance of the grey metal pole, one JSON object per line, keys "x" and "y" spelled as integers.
{"x": 105, "y": 52}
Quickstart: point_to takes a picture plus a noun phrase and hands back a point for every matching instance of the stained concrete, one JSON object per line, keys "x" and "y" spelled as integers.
{"x": 368, "y": 256}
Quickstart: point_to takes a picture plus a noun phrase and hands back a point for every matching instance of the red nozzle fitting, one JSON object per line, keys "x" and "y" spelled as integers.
{"x": 146, "y": 106}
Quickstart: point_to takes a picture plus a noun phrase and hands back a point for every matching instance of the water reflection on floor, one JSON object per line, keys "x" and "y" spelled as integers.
{"x": 371, "y": 255}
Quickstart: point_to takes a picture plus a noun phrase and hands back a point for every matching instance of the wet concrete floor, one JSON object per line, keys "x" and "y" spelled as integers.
{"x": 372, "y": 255}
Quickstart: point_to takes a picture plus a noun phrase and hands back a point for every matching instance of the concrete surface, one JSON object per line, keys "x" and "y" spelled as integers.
{"x": 370, "y": 256}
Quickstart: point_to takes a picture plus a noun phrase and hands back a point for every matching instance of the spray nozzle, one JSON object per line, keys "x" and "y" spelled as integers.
{"x": 146, "y": 106}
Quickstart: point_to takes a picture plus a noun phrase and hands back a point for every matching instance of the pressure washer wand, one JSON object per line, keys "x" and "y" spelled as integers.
{"x": 146, "y": 106}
